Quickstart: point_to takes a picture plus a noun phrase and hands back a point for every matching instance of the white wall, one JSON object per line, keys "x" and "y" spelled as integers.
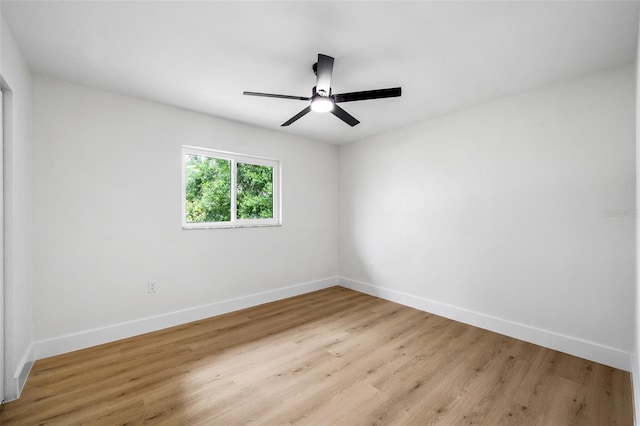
{"x": 517, "y": 215}
{"x": 18, "y": 206}
{"x": 107, "y": 172}
{"x": 635, "y": 360}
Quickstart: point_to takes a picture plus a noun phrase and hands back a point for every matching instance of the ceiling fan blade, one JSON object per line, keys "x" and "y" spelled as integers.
{"x": 324, "y": 69}
{"x": 271, "y": 95}
{"x": 297, "y": 116}
{"x": 344, "y": 116}
{"x": 368, "y": 94}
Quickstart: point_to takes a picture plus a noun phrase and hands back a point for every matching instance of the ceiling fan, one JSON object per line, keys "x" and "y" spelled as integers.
{"x": 323, "y": 100}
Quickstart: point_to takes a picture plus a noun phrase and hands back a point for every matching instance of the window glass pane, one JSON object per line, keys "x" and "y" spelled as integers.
{"x": 255, "y": 191}
{"x": 208, "y": 189}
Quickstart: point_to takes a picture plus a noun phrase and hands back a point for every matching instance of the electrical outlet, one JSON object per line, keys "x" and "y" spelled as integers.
{"x": 152, "y": 287}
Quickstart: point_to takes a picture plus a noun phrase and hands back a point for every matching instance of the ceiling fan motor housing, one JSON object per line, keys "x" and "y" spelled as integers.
{"x": 322, "y": 93}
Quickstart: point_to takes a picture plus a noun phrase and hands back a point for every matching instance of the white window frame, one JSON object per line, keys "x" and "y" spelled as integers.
{"x": 235, "y": 158}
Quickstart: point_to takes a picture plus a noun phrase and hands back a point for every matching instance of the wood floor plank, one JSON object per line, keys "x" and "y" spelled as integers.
{"x": 333, "y": 356}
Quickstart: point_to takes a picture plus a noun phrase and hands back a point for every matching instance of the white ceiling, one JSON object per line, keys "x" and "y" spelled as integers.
{"x": 202, "y": 55}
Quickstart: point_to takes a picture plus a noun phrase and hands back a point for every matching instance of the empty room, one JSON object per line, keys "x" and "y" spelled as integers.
{"x": 319, "y": 212}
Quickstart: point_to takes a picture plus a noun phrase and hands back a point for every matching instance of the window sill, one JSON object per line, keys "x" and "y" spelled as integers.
{"x": 231, "y": 226}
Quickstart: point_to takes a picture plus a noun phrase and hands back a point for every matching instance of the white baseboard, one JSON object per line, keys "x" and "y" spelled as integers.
{"x": 72, "y": 342}
{"x": 568, "y": 344}
{"x": 635, "y": 384}
{"x": 20, "y": 375}
{"x": 582, "y": 348}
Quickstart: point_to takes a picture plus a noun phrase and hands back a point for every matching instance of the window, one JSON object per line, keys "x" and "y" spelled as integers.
{"x": 227, "y": 190}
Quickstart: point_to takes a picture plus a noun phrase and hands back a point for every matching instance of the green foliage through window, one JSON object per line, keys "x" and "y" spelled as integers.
{"x": 255, "y": 191}
{"x": 208, "y": 189}
{"x": 210, "y": 194}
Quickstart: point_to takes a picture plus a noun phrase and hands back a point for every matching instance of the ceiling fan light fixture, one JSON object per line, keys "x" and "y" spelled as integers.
{"x": 321, "y": 104}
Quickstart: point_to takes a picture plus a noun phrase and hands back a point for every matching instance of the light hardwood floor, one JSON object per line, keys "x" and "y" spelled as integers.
{"x": 330, "y": 357}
